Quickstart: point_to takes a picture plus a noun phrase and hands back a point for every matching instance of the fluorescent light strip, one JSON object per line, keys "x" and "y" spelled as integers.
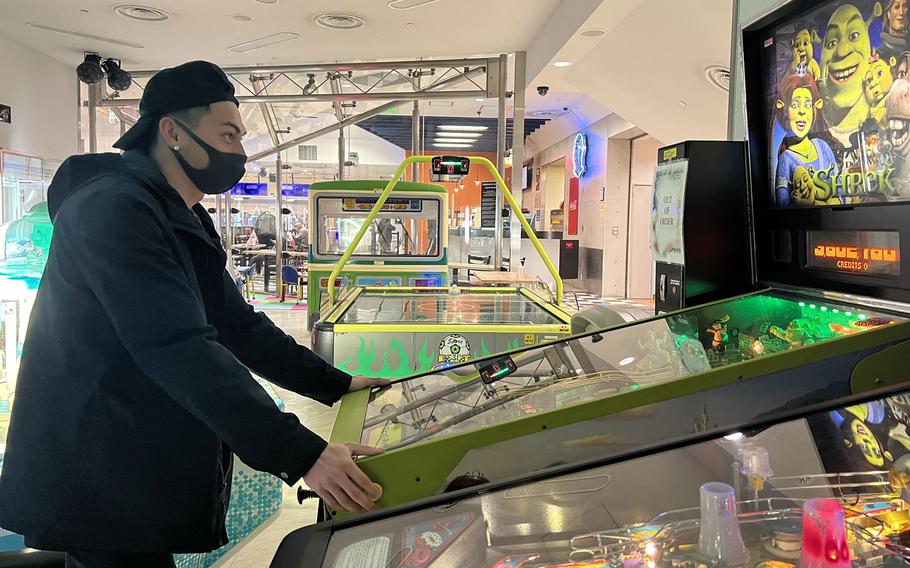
{"x": 463, "y": 127}
{"x": 266, "y": 41}
{"x": 450, "y": 134}
{"x": 84, "y": 35}
{"x": 454, "y": 141}
{"x": 452, "y": 145}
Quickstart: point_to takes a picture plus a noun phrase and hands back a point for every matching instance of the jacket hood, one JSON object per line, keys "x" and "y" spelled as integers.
{"x": 76, "y": 171}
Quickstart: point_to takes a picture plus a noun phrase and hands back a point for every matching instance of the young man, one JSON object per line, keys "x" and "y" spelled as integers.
{"x": 133, "y": 390}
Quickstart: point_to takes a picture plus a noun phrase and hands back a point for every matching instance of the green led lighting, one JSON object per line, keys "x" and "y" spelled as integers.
{"x": 835, "y": 310}
{"x": 848, "y": 314}
{"x": 824, "y": 308}
{"x": 501, "y": 373}
{"x": 862, "y": 316}
{"x": 802, "y": 304}
{"x": 812, "y": 306}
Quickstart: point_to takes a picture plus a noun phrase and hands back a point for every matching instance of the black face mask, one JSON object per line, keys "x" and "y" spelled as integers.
{"x": 224, "y": 171}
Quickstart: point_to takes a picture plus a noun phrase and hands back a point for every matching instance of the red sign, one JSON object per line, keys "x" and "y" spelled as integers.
{"x": 573, "y": 206}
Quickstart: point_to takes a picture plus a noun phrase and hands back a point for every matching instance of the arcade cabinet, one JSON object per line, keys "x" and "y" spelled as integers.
{"x": 700, "y": 234}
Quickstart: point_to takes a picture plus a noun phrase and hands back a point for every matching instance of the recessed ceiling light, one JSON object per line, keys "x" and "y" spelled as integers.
{"x": 266, "y": 41}
{"x": 408, "y": 4}
{"x": 242, "y": 17}
{"x": 339, "y": 21}
{"x": 562, "y": 64}
{"x": 480, "y": 100}
{"x": 451, "y": 145}
{"x": 83, "y": 35}
{"x": 141, "y": 13}
{"x": 464, "y": 127}
{"x": 627, "y": 361}
{"x": 718, "y": 76}
{"x": 267, "y": 1}
{"x": 593, "y": 32}
{"x": 456, "y": 134}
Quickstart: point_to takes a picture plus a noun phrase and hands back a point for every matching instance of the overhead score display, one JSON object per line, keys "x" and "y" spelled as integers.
{"x": 450, "y": 166}
{"x": 856, "y": 252}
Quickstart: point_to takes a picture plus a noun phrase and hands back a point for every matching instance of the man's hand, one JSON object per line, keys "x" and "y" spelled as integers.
{"x": 360, "y": 382}
{"x": 337, "y": 479}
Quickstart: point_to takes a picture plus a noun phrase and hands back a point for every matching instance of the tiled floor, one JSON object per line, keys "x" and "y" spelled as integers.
{"x": 258, "y": 549}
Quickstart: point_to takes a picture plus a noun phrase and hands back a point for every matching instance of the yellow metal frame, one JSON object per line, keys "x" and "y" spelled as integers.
{"x": 429, "y": 268}
{"x": 559, "y": 312}
{"x": 500, "y": 183}
{"x": 346, "y": 301}
{"x": 536, "y": 329}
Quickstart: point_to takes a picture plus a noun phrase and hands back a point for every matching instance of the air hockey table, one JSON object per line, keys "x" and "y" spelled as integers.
{"x": 393, "y": 332}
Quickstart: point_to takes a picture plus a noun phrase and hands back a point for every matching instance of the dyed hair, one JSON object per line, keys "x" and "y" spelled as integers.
{"x": 785, "y": 90}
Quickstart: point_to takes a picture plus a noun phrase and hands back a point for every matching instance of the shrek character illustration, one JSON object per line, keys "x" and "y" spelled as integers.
{"x": 897, "y": 106}
{"x": 876, "y": 84}
{"x": 902, "y": 67}
{"x": 718, "y": 333}
{"x": 844, "y": 62}
{"x": 800, "y": 155}
{"x": 856, "y": 432}
{"x": 803, "y": 61}
{"x": 894, "y": 29}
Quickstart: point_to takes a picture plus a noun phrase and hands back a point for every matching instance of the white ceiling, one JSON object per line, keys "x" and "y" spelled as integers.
{"x": 653, "y": 60}
{"x": 204, "y": 29}
{"x": 651, "y": 56}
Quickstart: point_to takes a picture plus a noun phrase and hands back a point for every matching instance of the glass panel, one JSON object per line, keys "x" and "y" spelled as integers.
{"x": 25, "y": 181}
{"x": 443, "y": 308}
{"x": 826, "y": 490}
{"x": 642, "y": 354}
{"x": 406, "y": 227}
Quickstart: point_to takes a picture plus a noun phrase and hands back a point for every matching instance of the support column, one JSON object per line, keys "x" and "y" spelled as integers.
{"x": 415, "y": 139}
{"x": 518, "y": 151}
{"x": 500, "y": 158}
{"x": 341, "y": 154}
{"x": 93, "y": 119}
{"x": 279, "y": 225}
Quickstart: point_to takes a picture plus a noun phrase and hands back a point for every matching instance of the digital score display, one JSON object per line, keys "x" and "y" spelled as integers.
{"x": 875, "y": 253}
{"x": 450, "y": 166}
{"x": 498, "y": 369}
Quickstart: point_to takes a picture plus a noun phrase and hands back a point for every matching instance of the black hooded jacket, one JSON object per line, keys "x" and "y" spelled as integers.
{"x": 133, "y": 388}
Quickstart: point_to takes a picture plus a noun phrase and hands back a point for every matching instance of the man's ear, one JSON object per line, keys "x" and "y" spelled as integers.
{"x": 167, "y": 128}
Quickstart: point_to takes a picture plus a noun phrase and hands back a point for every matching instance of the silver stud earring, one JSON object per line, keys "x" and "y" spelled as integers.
{"x": 176, "y": 148}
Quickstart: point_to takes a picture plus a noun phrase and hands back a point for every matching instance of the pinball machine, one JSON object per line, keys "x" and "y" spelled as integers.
{"x": 794, "y": 491}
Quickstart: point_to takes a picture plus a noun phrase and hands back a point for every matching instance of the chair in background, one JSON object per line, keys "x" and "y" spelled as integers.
{"x": 473, "y": 259}
{"x": 291, "y": 277}
{"x": 246, "y": 281}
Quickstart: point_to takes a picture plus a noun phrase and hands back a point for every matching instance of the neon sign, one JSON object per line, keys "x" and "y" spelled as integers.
{"x": 580, "y": 155}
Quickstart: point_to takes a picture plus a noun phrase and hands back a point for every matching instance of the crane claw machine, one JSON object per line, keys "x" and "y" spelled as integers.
{"x": 404, "y": 246}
